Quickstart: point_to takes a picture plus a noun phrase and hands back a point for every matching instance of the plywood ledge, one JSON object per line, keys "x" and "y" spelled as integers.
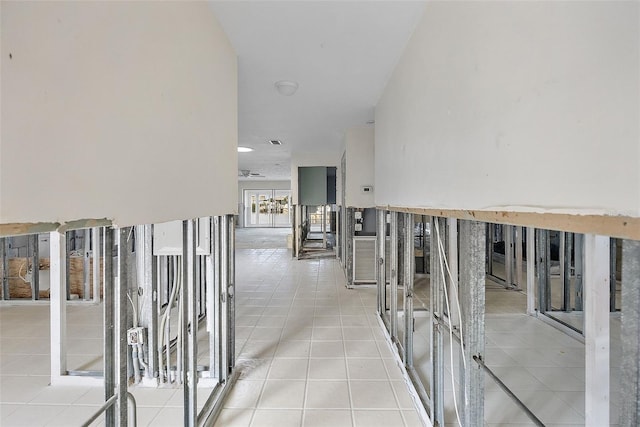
{"x": 15, "y": 229}
{"x": 615, "y": 226}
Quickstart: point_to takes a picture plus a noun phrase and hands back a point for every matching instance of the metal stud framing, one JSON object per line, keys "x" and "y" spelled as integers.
{"x": 543, "y": 273}
{"x": 95, "y": 254}
{"x": 567, "y": 249}
{"x": 120, "y": 324}
{"x": 407, "y": 279}
{"x": 472, "y": 301}
{"x": 393, "y": 293}
{"x": 4, "y": 254}
{"x": 109, "y": 325}
{"x": 350, "y": 218}
{"x": 630, "y": 393}
{"x": 381, "y": 277}
{"x": 508, "y": 255}
{"x": 578, "y": 264}
{"x": 35, "y": 267}
{"x": 438, "y": 235}
{"x": 519, "y": 240}
{"x": 531, "y": 272}
{"x": 148, "y": 289}
{"x": 189, "y": 325}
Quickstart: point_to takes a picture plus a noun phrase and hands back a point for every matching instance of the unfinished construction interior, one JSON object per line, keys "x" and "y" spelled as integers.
{"x": 281, "y": 213}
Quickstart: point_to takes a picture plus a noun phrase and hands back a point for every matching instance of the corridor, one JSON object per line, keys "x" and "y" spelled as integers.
{"x": 310, "y": 351}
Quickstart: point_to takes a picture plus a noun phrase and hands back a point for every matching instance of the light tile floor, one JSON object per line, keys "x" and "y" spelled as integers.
{"x": 311, "y": 351}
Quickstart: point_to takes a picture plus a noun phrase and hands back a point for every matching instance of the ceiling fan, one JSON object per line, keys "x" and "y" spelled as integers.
{"x": 246, "y": 173}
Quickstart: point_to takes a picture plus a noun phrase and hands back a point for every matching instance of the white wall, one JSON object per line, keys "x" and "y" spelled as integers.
{"x": 528, "y": 106}
{"x": 301, "y": 159}
{"x": 257, "y": 184}
{"x": 118, "y": 110}
{"x": 359, "y": 143}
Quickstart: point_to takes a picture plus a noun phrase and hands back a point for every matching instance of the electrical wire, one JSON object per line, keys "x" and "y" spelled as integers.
{"x": 163, "y": 331}
{"x": 24, "y": 279}
{"x": 135, "y": 311}
{"x": 446, "y": 298}
{"x": 455, "y": 284}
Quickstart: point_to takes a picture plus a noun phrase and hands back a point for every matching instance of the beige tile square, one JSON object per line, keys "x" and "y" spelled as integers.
{"x": 234, "y": 418}
{"x": 327, "y": 369}
{"x": 244, "y": 394}
{"x": 357, "y": 333}
{"x": 276, "y": 417}
{"x": 253, "y": 369}
{"x": 290, "y": 333}
{"x": 412, "y": 419}
{"x": 328, "y": 394}
{"x": 265, "y": 334}
{"x": 168, "y": 417}
{"x": 325, "y": 321}
{"x": 361, "y": 349}
{"x": 282, "y": 394}
{"x": 355, "y": 321}
{"x": 288, "y": 369}
{"x": 327, "y": 418}
{"x": 33, "y": 415}
{"x": 327, "y": 349}
{"x": 366, "y": 369}
{"x": 372, "y": 395}
{"x": 378, "y": 418}
{"x": 297, "y": 348}
{"x": 327, "y": 333}
{"x": 405, "y": 399}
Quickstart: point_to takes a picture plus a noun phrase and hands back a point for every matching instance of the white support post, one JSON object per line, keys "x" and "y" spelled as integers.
{"x": 531, "y": 270}
{"x": 58, "y": 305}
{"x": 596, "y": 329}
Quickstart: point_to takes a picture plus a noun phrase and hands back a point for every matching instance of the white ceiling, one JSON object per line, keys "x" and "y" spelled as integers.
{"x": 340, "y": 52}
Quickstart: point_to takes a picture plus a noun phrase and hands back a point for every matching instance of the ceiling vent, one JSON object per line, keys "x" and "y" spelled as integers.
{"x": 275, "y": 142}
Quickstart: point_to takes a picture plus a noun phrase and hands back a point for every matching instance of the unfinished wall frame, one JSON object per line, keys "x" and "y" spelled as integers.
{"x": 582, "y": 261}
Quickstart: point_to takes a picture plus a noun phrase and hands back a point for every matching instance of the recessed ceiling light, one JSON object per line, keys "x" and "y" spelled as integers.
{"x": 370, "y": 122}
{"x": 286, "y": 88}
{"x": 244, "y": 149}
{"x": 275, "y": 142}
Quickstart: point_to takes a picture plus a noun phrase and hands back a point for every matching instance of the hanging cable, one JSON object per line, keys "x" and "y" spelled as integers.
{"x": 441, "y": 257}
{"x": 454, "y": 282}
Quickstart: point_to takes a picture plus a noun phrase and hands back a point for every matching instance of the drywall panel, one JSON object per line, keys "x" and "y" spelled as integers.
{"x": 312, "y": 185}
{"x": 311, "y": 158}
{"x": 359, "y": 143}
{"x": 523, "y": 106}
{"x": 118, "y": 110}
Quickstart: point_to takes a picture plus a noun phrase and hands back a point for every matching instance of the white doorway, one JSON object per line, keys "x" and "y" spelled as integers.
{"x": 267, "y": 208}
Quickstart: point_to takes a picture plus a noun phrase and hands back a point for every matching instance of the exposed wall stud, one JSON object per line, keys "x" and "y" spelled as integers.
{"x": 472, "y": 301}
{"x": 58, "y": 304}
{"x": 438, "y": 236}
{"x": 381, "y": 277}
{"x": 596, "y": 329}
{"x": 531, "y": 271}
{"x": 189, "y": 324}
{"x": 35, "y": 269}
{"x": 393, "y": 292}
{"x": 409, "y": 268}
{"x": 630, "y": 375}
